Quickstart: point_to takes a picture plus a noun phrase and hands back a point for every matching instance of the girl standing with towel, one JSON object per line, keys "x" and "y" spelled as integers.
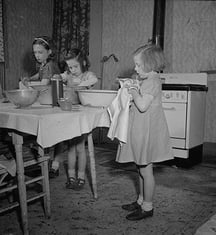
{"x": 148, "y": 138}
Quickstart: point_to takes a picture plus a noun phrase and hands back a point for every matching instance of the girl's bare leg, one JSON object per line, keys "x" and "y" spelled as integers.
{"x": 81, "y": 158}
{"x": 72, "y": 161}
{"x": 149, "y": 182}
{"x": 141, "y": 189}
{"x": 149, "y": 187}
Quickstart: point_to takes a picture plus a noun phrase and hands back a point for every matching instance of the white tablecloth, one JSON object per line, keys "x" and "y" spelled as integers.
{"x": 51, "y": 125}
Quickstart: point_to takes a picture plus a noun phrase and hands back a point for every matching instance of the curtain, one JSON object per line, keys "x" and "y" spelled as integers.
{"x": 71, "y": 26}
{"x": 1, "y": 34}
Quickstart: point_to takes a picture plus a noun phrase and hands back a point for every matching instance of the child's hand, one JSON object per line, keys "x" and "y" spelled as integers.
{"x": 44, "y": 82}
{"x": 131, "y": 83}
{"x": 56, "y": 76}
{"x": 133, "y": 91}
{"x": 25, "y": 81}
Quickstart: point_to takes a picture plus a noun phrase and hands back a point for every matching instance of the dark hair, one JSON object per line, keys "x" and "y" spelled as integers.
{"x": 152, "y": 57}
{"x": 47, "y": 43}
{"x": 77, "y": 54}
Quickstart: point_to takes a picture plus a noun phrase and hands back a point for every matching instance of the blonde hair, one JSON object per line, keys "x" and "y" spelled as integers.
{"x": 152, "y": 57}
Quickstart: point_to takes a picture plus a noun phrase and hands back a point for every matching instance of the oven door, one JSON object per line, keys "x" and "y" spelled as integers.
{"x": 176, "y": 119}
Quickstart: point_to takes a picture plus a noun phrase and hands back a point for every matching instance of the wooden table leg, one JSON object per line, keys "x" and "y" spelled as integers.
{"x": 18, "y": 141}
{"x": 45, "y": 182}
{"x": 92, "y": 164}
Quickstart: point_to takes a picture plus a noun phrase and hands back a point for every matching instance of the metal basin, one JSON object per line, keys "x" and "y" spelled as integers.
{"x": 97, "y": 97}
{"x": 22, "y": 98}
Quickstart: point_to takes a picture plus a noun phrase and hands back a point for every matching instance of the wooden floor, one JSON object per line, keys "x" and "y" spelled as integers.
{"x": 184, "y": 200}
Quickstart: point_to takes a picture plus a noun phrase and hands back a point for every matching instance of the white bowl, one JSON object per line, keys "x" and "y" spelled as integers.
{"x": 22, "y": 98}
{"x": 96, "y": 97}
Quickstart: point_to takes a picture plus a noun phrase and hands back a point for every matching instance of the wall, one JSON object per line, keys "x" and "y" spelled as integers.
{"x": 24, "y": 20}
{"x": 95, "y": 38}
{"x": 127, "y": 24}
{"x": 1, "y": 34}
{"x": 190, "y": 32}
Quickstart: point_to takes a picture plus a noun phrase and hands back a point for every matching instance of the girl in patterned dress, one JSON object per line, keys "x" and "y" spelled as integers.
{"x": 43, "y": 49}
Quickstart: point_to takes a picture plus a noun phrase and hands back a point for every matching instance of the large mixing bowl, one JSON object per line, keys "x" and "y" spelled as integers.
{"x": 96, "y": 97}
{"x": 22, "y": 98}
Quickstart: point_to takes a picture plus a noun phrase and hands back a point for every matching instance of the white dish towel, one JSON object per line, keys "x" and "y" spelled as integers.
{"x": 119, "y": 115}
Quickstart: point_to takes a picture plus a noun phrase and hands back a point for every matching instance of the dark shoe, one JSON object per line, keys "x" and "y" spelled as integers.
{"x": 53, "y": 173}
{"x": 139, "y": 214}
{"x": 80, "y": 184}
{"x": 131, "y": 207}
{"x": 71, "y": 183}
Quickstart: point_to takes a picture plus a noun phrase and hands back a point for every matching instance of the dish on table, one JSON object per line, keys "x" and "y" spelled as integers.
{"x": 22, "y": 98}
{"x": 99, "y": 98}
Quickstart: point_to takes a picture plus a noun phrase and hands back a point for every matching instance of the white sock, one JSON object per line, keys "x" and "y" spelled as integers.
{"x": 71, "y": 173}
{"x": 55, "y": 165}
{"x": 140, "y": 199}
{"x": 147, "y": 206}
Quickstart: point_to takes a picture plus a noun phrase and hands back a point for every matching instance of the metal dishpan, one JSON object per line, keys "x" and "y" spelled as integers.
{"x": 22, "y": 98}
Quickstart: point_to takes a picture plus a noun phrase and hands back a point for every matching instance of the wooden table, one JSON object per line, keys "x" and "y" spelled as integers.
{"x": 50, "y": 126}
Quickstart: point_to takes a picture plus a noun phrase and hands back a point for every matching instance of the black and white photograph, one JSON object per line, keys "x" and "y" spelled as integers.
{"x": 107, "y": 117}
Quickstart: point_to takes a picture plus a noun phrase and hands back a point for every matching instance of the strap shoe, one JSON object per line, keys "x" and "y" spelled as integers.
{"x": 131, "y": 207}
{"x": 139, "y": 214}
{"x": 53, "y": 173}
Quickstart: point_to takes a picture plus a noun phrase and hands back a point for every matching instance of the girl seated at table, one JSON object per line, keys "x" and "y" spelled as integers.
{"x": 44, "y": 53}
{"x": 76, "y": 75}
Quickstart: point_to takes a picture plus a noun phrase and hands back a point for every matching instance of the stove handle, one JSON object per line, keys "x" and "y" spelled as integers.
{"x": 172, "y": 108}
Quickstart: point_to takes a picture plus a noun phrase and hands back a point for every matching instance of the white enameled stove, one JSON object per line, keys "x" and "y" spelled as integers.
{"x": 184, "y": 103}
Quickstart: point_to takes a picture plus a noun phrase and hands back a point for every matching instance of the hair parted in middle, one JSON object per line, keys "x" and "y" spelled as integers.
{"x": 152, "y": 57}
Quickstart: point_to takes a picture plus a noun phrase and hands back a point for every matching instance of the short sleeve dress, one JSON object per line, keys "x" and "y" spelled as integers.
{"x": 148, "y": 136}
{"x": 48, "y": 70}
